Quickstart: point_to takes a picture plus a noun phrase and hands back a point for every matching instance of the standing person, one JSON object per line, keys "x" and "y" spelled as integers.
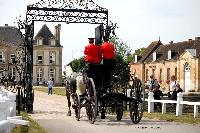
{"x": 92, "y": 58}
{"x": 154, "y": 87}
{"x": 108, "y": 56}
{"x": 173, "y": 88}
{"x": 50, "y": 86}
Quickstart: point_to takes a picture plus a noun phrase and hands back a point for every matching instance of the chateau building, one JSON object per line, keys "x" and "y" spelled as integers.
{"x": 47, "y": 56}
{"x": 181, "y": 59}
{"x": 11, "y": 52}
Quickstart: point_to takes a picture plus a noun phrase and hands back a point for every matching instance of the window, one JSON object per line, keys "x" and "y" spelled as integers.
{"x": 169, "y": 54}
{"x": 52, "y": 58}
{"x": 40, "y": 60}
{"x": 147, "y": 74}
{"x": 2, "y": 57}
{"x": 12, "y": 58}
{"x": 154, "y": 56}
{"x": 52, "y": 74}
{"x": 53, "y": 42}
{"x": 12, "y": 72}
{"x": 168, "y": 73}
{"x": 39, "y": 41}
{"x": 153, "y": 72}
{"x": 39, "y": 75}
{"x": 160, "y": 78}
{"x": 176, "y": 72}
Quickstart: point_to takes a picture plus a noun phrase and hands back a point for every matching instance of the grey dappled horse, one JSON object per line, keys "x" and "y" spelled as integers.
{"x": 74, "y": 85}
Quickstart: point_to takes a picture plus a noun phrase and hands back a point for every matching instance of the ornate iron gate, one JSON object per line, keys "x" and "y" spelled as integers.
{"x": 68, "y": 11}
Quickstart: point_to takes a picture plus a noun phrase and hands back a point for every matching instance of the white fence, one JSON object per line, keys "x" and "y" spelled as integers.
{"x": 8, "y": 117}
{"x": 179, "y": 104}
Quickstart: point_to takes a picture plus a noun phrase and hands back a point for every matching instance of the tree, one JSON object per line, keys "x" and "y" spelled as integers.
{"x": 138, "y": 51}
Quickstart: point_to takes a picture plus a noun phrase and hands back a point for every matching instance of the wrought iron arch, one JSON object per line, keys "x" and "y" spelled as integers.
{"x": 69, "y": 11}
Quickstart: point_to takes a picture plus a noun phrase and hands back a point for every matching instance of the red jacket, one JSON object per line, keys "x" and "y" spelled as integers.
{"x": 92, "y": 53}
{"x": 108, "y": 50}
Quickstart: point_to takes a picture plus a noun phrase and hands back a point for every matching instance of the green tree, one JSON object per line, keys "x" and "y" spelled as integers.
{"x": 138, "y": 51}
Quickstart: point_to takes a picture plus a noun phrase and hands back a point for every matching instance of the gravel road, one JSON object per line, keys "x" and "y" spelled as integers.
{"x": 50, "y": 111}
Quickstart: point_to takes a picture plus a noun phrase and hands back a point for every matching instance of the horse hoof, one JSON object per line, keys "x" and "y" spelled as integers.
{"x": 69, "y": 113}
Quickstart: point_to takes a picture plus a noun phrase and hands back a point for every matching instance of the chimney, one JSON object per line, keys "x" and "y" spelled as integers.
{"x": 57, "y": 33}
{"x": 197, "y": 38}
{"x": 6, "y": 24}
{"x": 171, "y": 42}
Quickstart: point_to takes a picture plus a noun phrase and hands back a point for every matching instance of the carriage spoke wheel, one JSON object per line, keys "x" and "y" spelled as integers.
{"x": 136, "y": 112}
{"x": 91, "y": 102}
{"x": 137, "y": 107}
{"x": 77, "y": 108}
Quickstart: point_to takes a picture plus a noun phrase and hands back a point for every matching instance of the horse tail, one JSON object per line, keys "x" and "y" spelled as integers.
{"x": 80, "y": 85}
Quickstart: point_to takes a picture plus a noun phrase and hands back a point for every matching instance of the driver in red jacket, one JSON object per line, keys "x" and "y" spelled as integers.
{"x": 92, "y": 52}
{"x": 93, "y": 59}
{"x": 108, "y": 55}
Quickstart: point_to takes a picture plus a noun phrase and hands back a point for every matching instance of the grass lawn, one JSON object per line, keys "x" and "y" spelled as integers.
{"x": 33, "y": 127}
{"x": 185, "y": 118}
{"x": 56, "y": 90}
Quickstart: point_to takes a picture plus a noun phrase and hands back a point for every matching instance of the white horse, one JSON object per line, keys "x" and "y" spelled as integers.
{"x": 74, "y": 85}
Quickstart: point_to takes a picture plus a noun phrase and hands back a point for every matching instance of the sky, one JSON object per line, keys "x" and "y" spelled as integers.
{"x": 140, "y": 22}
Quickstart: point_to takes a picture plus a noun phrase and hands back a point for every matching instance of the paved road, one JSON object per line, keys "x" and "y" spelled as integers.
{"x": 51, "y": 113}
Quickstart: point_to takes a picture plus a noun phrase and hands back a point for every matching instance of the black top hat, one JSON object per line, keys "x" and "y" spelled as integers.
{"x": 90, "y": 38}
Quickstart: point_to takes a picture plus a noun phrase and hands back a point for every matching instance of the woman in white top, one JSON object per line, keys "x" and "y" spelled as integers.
{"x": 173, "y": 88}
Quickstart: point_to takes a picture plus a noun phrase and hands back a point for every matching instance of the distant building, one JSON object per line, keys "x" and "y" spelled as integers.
{"x": 47, "y": 56}
{"x": 181, "y": 59}
{"x": 10, "y": 52}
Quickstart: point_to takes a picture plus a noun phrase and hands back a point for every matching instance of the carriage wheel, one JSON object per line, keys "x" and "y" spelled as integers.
{"x": 91, "y": 102}
{"x": 136, "y": 112}
{"x": 77, "y": 108}
{"x": 137, "y": 106}
{"x": 119, "y": 112}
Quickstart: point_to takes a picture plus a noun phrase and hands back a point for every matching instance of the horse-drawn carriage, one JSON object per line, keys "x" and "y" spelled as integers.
{"x": 98, "y": 97}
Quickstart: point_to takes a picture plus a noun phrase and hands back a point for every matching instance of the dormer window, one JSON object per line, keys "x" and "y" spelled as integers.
{"x": 53, "y": 42}
{"x": 169, "y": 54}
{"x": 154, "y": 56}
{"x": 39, "y": 41}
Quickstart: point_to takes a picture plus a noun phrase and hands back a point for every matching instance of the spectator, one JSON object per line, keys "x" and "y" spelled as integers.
{"x": 50, "y": 86}
{"x": 154, "y": 87}
{"x": 173, "y": 88}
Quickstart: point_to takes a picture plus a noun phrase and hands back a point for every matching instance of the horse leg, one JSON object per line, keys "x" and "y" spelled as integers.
{"x": 69, "y": 106}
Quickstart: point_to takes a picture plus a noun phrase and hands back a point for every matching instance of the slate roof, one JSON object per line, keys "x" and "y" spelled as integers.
{"x": 45, "y": 33}
{"x": 10, "y": 35}
{"x": 149, "y": 50}
{"x": 176, "y": 48}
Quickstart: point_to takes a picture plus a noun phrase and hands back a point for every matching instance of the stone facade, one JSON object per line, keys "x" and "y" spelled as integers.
{"x": 181, "y": 59}
{"x": 11, "y": 54}
{"x": 47, "y": 56}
